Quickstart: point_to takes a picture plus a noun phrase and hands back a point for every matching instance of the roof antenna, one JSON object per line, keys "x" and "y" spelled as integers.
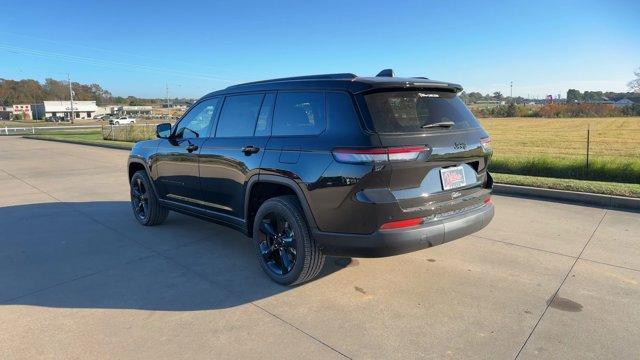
{"x": 385, "y": 73}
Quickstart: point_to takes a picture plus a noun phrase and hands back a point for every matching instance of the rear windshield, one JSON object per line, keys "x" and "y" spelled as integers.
{"x": 413, "y": 111}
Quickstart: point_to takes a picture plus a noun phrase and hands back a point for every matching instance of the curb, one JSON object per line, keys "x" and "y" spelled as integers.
{"x": 80, "y": 142}
{"x": 606, "y": 201}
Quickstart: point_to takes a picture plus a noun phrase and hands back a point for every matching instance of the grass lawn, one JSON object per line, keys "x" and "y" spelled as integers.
{"x": 596, "y": 187}
{"x": 89, "y": 138}
{"x": 558, "y": 147}
{"x": 548, "y": 153}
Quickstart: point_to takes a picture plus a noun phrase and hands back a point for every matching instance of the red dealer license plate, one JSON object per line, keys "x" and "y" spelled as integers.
{"x": 452, "y": 177}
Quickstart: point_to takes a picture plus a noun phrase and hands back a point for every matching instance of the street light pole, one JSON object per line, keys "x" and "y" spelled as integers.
{"x": 167, "y": 94}
{"x": 71, "y": 97}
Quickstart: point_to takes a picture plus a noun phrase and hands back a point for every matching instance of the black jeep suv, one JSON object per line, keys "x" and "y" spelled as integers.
{"x": 322, "y": 165}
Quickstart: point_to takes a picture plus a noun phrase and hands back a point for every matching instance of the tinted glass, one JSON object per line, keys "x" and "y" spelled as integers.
{"x": 411, "y": 111}
{"x": 299, "y": 113}
{"x": 196, "y": 122}
{"x": 263, "y": 127}
{"x": 239, "y": 114}
{"x": 340, "y": 110}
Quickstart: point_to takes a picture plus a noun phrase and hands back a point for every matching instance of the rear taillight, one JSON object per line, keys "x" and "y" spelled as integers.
{"x": 401, "y": 224}
{"x": 486, "y": 144}
{"x": 368, "y": 155}
{"x": 488, "y": 201}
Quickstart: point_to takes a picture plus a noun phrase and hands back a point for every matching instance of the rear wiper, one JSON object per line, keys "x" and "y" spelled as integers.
{"x": 444, "y": 124}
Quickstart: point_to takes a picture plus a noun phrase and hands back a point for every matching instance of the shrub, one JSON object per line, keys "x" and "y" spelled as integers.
{"x": 579, "y": 110}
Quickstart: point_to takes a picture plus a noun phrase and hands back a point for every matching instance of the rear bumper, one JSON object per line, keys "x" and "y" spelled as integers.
{"x": 394, "y": 242}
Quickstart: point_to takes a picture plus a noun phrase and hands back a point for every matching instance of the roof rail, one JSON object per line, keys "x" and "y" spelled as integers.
{"x": 339, "y": 76}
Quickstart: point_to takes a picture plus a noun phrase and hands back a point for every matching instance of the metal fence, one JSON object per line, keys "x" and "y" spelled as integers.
{"x": 130, "y": 133}
{"x": 586, "y": 152}
{"x": 25, "y": 130}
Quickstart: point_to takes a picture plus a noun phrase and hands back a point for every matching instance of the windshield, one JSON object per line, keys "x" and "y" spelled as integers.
{"x": 417, "y": 111}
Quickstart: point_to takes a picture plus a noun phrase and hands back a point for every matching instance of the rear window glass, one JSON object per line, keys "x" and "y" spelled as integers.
{"x": 299, "y": 113}
{"x": 414, "y": 111}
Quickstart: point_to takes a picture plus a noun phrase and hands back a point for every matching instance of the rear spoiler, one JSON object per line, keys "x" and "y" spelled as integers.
{"x": 421, "y": 84}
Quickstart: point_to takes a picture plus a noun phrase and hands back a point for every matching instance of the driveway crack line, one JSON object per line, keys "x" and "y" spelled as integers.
{"x": 561, "y": 284}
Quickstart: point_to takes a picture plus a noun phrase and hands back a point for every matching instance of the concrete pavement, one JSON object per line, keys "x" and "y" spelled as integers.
{"x": 79, "y": 278}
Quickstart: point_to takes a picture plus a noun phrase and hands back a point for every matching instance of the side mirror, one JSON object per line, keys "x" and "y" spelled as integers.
{"x": 163, "y": 130}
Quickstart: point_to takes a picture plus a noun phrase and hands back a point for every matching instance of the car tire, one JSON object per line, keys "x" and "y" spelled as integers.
{"x": 289, "y": 241}
{"x": 144, "y": 202}
{"x": 117, "y": 122}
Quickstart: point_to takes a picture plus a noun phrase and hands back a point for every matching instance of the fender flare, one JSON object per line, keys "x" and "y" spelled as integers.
{"x": 146, "y": 169}
{"x": 281, "y": 180}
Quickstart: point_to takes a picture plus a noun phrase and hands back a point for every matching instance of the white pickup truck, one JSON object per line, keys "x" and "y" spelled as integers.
{"x": 122, "y": 120}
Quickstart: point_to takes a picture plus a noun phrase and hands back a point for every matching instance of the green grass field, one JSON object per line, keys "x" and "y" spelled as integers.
{"x": 87, "y": 138}
{"x": 595, "y": 187}
{"x": 549, "y": 153}
{"x": 558, "y": 147}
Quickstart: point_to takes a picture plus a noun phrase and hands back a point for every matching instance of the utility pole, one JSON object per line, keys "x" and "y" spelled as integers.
{"x": 511, "y": 93}
{"x": 167, "y": 94}
{"x": 71, "y": 97}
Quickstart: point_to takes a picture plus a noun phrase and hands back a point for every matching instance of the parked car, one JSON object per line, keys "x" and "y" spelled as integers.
{"x": 123, "y": 120}
{"x": 322, "y": 165}
{"x": 101, "y": 117}
{"x": 54, "y": 118}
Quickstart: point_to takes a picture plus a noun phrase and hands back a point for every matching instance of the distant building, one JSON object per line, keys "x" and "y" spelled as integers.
{"x": 623, "y": 103}
{"x": 24, "y": 110}
{"x": 6, "y": 112}
{"x": 130, "y": 110}
{"x": 62, "y": 109}
{"x": 135, "y": 110}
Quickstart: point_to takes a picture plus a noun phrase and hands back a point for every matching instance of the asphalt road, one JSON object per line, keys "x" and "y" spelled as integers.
{"x": 79, "y": 278}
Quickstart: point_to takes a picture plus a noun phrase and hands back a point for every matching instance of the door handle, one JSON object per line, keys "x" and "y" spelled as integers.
{"x": 250, "y": 149}
{"x": 191, "y": 148}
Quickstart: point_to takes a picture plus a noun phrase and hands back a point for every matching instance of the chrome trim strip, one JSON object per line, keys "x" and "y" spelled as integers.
{"x": 199, "y": 202}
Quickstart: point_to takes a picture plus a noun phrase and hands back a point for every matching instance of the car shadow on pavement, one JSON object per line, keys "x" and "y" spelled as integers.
{"x": 95, "y": 255}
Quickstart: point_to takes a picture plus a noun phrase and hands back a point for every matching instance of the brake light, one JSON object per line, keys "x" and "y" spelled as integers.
{"x": 486, "y": 144}
{"x": 400, "y": 224}
{"x": 488, "y": 200}
{"x": 368, "y": 155}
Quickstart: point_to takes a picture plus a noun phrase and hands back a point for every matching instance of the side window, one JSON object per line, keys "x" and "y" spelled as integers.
{"x": 299, "y": 113}
{"x": 263, "y": 127}
{"x": 341, "y": 114}
{"x": 238, "y": 116}
{"x": 196, "y": 123}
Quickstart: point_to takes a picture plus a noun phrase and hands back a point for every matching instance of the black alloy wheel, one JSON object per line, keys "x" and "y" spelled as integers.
{"x": 287, "y": 252}
{"x": 278, "y": 243}
{"x": 144, "y": 202}
{"x": 140, "y": 199}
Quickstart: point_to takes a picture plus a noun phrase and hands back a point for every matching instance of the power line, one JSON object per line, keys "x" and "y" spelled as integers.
{"x": 93, "y": 48}
{"x": 107, "y": 63}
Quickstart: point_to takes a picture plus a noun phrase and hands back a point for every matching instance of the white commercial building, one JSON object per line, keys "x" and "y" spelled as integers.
{"x": 130, "y": 110}
{"x": 62, "y": 109}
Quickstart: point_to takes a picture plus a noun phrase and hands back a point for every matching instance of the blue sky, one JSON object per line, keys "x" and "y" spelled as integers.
{"x": 136, "y": 47}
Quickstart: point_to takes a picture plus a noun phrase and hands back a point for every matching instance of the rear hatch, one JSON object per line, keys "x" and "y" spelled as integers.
{"x": 451, "y": 174}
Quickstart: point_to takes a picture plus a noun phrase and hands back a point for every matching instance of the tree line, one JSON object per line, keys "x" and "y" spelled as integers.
{"x": 556, "y": 110}
{"x": 573, "y": 96}
{"x": 29, "y": 91}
